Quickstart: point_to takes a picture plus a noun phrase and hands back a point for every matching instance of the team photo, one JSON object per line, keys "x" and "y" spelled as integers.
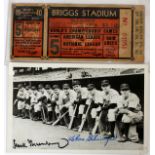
{"x": 77, "y": 108}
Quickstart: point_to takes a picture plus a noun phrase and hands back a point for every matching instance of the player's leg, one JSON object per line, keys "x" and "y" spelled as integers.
{"x": 54, "y": 115}
{"x": 92, "y": 119}
{"x": 65, "y": 121}
{"x": 132, "y": 133}
{"x": 80, "y": 113}
{"x": 49, "y": 113}
{"x": 111, "y": 119}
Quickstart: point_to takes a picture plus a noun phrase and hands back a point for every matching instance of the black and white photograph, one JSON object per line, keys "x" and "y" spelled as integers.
{"x": 72, "y": 107}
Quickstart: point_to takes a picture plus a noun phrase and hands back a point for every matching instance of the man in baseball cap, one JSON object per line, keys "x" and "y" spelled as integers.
{"x": 125, "y": 89}
{"x": 69, "y": 97}
{"x": 49, "y": 91}
{"x": 131, "y": 114}
{"x": 110, "y": 101}
{"x": 21, "y": 98}
{"x": 81, "y": 97}
{"x": 42, "y": 102}
{"x": 33, "y": 100}
{"x": 56, "y": 89}
{"x": 50, "y": 105}
{"x": 57, "y": 99}
{"x": 105, "y": 85}
{"x": 94, "y": 101}
{"x": 28, "y": 92}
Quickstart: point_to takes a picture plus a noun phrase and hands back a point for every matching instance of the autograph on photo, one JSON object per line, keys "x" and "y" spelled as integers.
{"x": 91, "y": 138}
{"x": 64, "y": 142}
{"x": 30, "y": 143}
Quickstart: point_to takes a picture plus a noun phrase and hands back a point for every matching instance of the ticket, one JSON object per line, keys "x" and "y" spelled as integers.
{"x": 89, "y": 32}
{"x": 28, "y": 31}
{"x": 100, "y": 31}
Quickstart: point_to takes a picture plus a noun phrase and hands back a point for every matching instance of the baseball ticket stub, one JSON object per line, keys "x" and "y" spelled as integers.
{"x": 79, "y": 31}
{"x": 28, "y": 27}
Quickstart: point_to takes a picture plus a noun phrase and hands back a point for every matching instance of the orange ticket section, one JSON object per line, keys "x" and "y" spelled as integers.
{"x": 86, "y": 32}
{"x": 28, "y": 27}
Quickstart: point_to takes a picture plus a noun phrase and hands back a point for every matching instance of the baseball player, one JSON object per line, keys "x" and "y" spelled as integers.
{"x": 33, "y": 110}
{"x": 50, "y": 106}
{"x": 21, "y": 98}
{"x": 81, "y": 97}
{"x": 110, "y": 101}
{"x": 129, "y": 114}
{"x": 68, "y": 98}
{"x": 96, "y": 102}
{"x": 28, "y": 92}
{"x": 57, "y": 100}
{"x": 42, "y": 102}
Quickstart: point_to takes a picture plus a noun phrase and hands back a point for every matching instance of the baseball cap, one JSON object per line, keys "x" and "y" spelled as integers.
{"x": 56, "y": 86}
{"x": 90, "y": 86}
{"x": 27, "y": 87}
{"x": 105, "y": 83}
{"x": 47, "y": 86}
{"x": 33, "y": 88}
{"x": 40, "y": 86}
{"x": 20, "y": 86}
{"x": 76, "y": 83}
{"x": 66, "y": 86}
{"x": 124, "y": 86}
